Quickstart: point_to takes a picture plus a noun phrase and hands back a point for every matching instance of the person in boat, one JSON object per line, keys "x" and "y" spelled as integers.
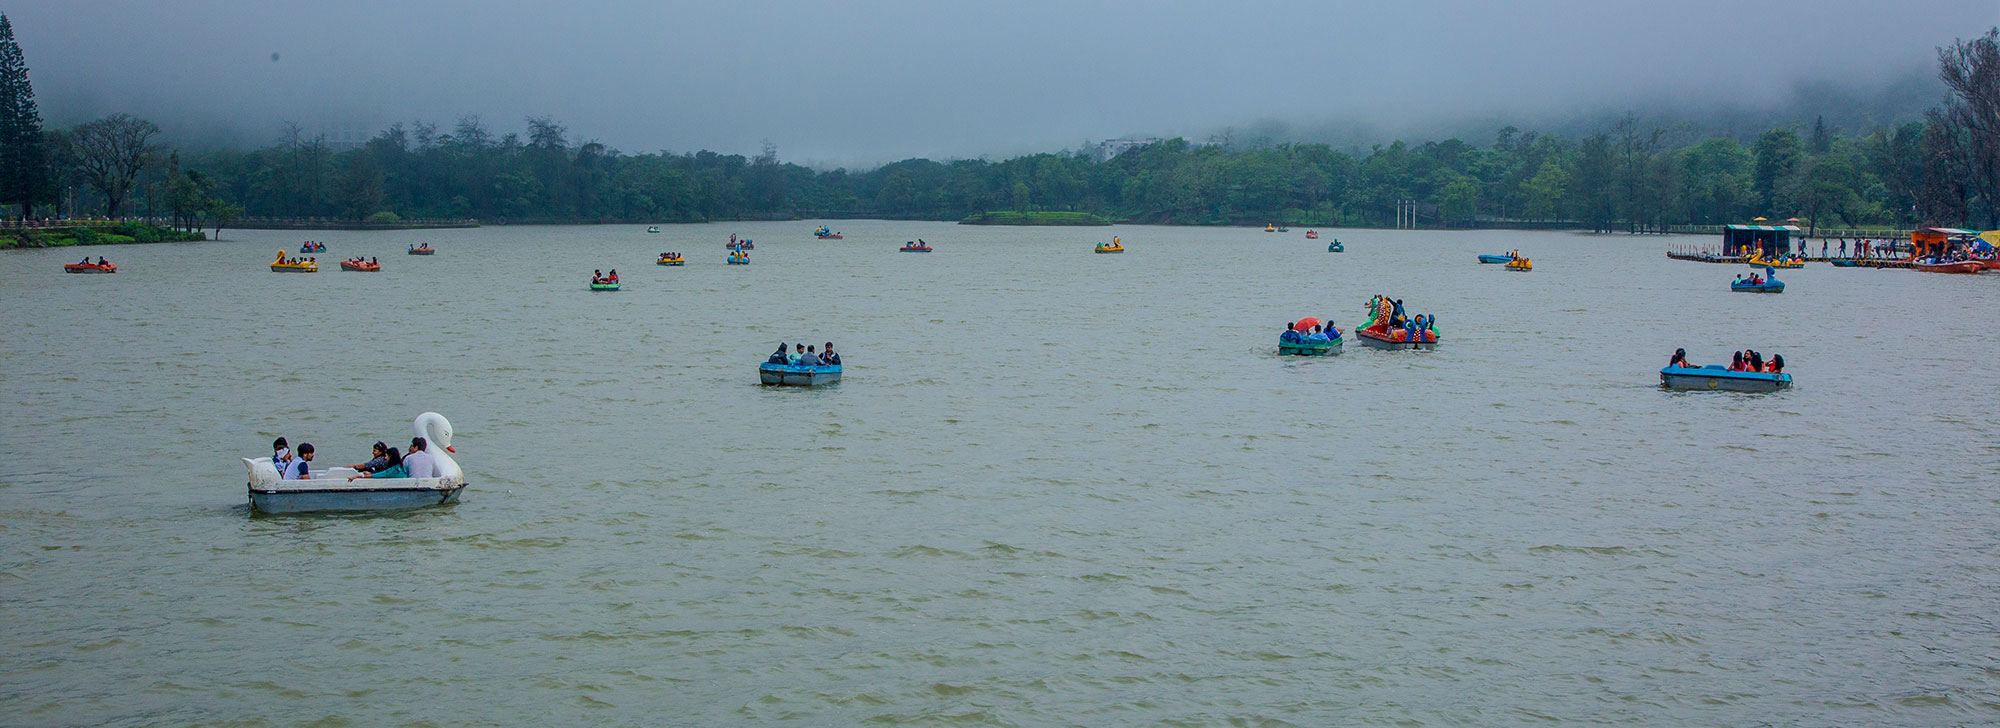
{"x": 613, "y": 277}
{"x": 413, "y": 246}
{"x": 1756, "y": 361}
{"x": 1332, "y": 334}
{"x": 1777, "y": 365}
{"x": 393, "y": 469}
{"x": 378, "y": 459}
{"x": 1291, "y": 334}
{"x": 1680, "y": 360}
{"x": 1316, "y": 336}
{"x": 419, "y": 463}
{"x": 301, "y": 467}
{"x": 828, "y": 356}
{"x": 100, "y": 261}
{"x": 280, "y": 452}
{"x": 798, "y": 352}
{"x": 597, "y": 276}
{"x": 810, "y": 358}
{"x": 1736, "y": 362}
{"x": 778, "y": 357}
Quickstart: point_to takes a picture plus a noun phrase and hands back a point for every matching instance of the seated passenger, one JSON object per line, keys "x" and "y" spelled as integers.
{"x": 827, "y": 355}
{"x": 100, "y": 260}
{"x": 1756, "y": 362}
{"x": 379, "y": 460}
{"x": 793, "y": 358}
{"x": 1736, "y": 362}
{"x": 1777, "y": 365}
{"x": 810, "y": 358}
{"x": 393, "y": 469}
{"x": 778, "y": 357}
{"x": 301, "y": 468}
{"x": 613, "y": 277}
{"x": 1680, "y": 360}
{"x": 1291, "y": 334}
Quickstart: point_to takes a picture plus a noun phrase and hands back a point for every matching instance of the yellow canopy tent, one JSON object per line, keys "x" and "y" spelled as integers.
{"x": 1992, "y": 237}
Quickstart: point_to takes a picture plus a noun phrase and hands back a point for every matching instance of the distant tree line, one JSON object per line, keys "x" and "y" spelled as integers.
{"x": 1943, "y": 170}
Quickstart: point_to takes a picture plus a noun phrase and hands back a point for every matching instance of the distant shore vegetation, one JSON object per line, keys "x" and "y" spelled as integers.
{"x": 1633, "y": 176}
{"x": 1012, "y": 217}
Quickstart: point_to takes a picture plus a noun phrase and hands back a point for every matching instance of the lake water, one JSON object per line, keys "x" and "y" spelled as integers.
{"x": 1055, "y": 488}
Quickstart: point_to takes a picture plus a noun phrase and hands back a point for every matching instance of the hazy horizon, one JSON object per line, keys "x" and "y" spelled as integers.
{"x": 869, "y": 82}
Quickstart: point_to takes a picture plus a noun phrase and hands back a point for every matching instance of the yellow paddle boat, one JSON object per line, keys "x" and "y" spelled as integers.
{"x": 1521, "y": 265}
{"x": 1758, "y": 260}
{"x": 672, "y": 259}
{"x": 295, "y": 266}
{"x": 1269, "y": 228}
{"x": 1112, "y": 247}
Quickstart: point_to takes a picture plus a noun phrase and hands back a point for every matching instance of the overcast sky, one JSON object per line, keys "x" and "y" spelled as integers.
{"x": 863, "y": 81}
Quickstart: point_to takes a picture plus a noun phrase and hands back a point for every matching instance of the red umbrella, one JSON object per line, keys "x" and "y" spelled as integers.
{"x": 1306, "y": 324}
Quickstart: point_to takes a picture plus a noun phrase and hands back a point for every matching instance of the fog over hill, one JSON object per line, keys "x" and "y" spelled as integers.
{"x": 868, "y": 81}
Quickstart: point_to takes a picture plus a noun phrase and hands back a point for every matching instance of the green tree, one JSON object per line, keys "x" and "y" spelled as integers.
{"x": 25, "y": 177}
{"x": 1542, "y": 195}
{"x": 110, "y": 152}
{"x": 1777, "y": 153}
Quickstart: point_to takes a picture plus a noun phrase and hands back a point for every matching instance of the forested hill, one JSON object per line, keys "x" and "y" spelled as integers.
{"x": 1633, "y": 173}
{"x": 1622, "y": 177}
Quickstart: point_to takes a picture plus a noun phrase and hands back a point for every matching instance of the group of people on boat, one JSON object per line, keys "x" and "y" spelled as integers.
{"x": 1753, "y": 280}
{"x": 282, "y": 260}
{"x": 804, "y": 355}
{"x": 385, "y": 462}
{"x": 598, "y": 276}
{"x": 100, "y": 261}
{"x": 1747, "y": 360}
{"x": 1313, "y": 333}
{"x": 358, "y": 260}
{"x": 670, "y": 256}
{"x": 426, "y": 246}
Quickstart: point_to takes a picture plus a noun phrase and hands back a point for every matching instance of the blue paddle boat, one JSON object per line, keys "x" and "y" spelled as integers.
{"x": 797, "y": 376}
{"x": 1495, "y": 258}
{"x": 1335, "y": 247}
{"x": 1844, "y": 262}
{"x": 1770, "y": 284}
{"x": 1720, "y": 378}
{"x": 1309, "y": 348}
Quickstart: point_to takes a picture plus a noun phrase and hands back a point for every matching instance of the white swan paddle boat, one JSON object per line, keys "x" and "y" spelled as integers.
{"x": 330, "y": 490}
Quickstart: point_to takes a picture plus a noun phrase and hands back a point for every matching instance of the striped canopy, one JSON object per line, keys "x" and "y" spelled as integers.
{"x": 1764, "y": 228}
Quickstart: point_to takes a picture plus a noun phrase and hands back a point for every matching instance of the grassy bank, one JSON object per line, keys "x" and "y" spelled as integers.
{"x": 1034, "y": 218}
{"x": 113, "y": 234}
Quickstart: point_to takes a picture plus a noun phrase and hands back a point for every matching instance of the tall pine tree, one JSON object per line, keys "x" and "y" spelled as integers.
{"x": 24, "y": 160}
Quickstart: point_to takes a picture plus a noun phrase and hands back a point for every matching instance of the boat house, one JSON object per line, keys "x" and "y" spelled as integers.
{"x": 1771, "y": 240}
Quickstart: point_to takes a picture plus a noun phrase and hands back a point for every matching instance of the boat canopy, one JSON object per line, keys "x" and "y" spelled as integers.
{"x": 1768, "y": 239}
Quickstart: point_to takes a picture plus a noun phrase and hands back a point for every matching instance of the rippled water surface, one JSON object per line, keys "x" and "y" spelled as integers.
{"x": 1055, "y": 488}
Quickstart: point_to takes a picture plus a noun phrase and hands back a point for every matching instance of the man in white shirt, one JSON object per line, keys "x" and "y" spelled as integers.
{"x": 419, "y": 462}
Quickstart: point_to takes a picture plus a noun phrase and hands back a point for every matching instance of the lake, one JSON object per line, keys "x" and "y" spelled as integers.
{"x": 1054, "y": 488}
